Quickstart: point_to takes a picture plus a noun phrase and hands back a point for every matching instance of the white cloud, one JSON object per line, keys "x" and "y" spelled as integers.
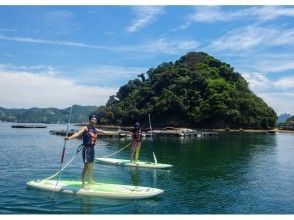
{"x": 145, "y": 15}
{"x": 277, "y": 64}
{"x": 109, "y": 75}
{"x": 276, "y": 93}
{"x": 212, "y": 14}
{"x": 262, "y": 64}
{"x": 252, "y": 37}
{"x": 260, "y": 82}
{"x": 41, "y": 41}
{"x": 35, "y": 68}
{"x": 257, "y": 81}
{"x": 269, "y": 12}
{"x": 265, "y": 62}
{"x": 285, "y": 82}
{"x": 209, "y": 14}
{"x": 26, "y": 89}
{"x": 161, "y": 45}
{"x": 238, "y": 40}
{"x": 279, "y": 101}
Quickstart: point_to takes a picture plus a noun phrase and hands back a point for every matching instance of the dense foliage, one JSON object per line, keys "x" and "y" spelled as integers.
{"x": 196, "y": 91}
{"x": 46, "y": 115}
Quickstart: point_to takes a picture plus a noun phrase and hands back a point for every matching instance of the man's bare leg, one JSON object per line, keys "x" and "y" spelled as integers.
{"x": 90, "y": 173}
{"x": 84, "y": 173}
{"x": 132, "y": 154}
{"x": 137, "y": 153}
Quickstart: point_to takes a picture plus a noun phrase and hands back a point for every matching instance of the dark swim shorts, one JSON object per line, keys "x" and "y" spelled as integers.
{"x": 88, "y": 154}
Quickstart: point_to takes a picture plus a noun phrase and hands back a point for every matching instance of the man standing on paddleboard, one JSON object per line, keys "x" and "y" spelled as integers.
{"x": 136, "y": 142}
{"x": 89, "y": 133}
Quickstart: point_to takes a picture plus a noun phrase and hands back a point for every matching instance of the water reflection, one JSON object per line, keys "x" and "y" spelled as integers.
{"x": 86, "y": 205}
{"x": 135, "y": 176}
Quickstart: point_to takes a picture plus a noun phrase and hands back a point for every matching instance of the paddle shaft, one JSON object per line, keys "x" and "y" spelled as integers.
{"x": 63, "y": 152}
{"x": 154, "y": 157}
{"x": 66, "y": 134}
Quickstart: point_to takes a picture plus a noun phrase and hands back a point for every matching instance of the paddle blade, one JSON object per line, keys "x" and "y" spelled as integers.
{"x": 155, "y": 160}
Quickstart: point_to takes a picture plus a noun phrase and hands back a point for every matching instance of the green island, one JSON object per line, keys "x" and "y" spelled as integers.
{"x": 196, "y": 91}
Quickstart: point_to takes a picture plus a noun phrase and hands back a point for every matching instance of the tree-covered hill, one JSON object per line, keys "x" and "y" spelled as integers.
{"x": 47, "y": 115}
{"x": 196, "y": 91}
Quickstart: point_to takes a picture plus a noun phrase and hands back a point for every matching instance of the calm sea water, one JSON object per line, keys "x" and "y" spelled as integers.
{"x": 231, "y": 173}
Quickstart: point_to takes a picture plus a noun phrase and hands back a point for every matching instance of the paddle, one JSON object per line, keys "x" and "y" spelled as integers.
{"x": 154, "y": 157}
{"x": 66, "y": 134}
{"x": 63, "y": 150}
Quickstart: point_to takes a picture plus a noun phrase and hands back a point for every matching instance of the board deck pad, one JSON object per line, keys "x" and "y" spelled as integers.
{"x": 122, "y": 162}
{"x": 105, "y": 190}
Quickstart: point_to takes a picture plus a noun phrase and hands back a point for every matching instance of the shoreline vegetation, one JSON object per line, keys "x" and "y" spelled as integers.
{"x": 124, "y": 132}
{"x": 276, "y": 129}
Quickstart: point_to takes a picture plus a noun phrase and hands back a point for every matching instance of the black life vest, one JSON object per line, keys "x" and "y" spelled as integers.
{"x": 90, "y": 136}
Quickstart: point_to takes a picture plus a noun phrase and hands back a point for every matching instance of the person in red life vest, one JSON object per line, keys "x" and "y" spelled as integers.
{"x": 89, "y": 133}
{"x": 136, "y": 142}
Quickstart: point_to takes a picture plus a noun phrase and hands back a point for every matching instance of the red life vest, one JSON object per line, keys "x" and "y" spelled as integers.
{"x": 90, "y": 136}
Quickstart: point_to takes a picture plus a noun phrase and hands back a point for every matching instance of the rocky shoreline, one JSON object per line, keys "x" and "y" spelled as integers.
{"x": 275, "y": 130}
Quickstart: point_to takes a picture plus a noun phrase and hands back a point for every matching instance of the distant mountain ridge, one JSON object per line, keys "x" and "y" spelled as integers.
{"x": 47, "y": 115}
{"x": 283, "y": 117}
{"x": 288, "y": 124}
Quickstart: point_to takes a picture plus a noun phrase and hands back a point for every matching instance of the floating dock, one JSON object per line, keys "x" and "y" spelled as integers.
{"x": 28, "y": 126}
{"x": 181, "y": 132}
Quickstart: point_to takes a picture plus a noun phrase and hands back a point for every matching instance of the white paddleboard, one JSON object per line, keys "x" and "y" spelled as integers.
{"x": 122, "y": 162}
{"x": 113, "y": 191}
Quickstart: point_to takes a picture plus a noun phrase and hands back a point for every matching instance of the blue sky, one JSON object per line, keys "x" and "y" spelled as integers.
{"x": 56, "y": 56}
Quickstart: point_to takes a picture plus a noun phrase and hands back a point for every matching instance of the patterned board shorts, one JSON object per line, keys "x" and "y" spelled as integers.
{"x": 88, "y": 154}
{"x": 136, "y": 144}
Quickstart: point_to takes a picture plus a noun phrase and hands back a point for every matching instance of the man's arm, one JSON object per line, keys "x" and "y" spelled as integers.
{"x": 76, "y": 134}
{"x": 99, "y": 130}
